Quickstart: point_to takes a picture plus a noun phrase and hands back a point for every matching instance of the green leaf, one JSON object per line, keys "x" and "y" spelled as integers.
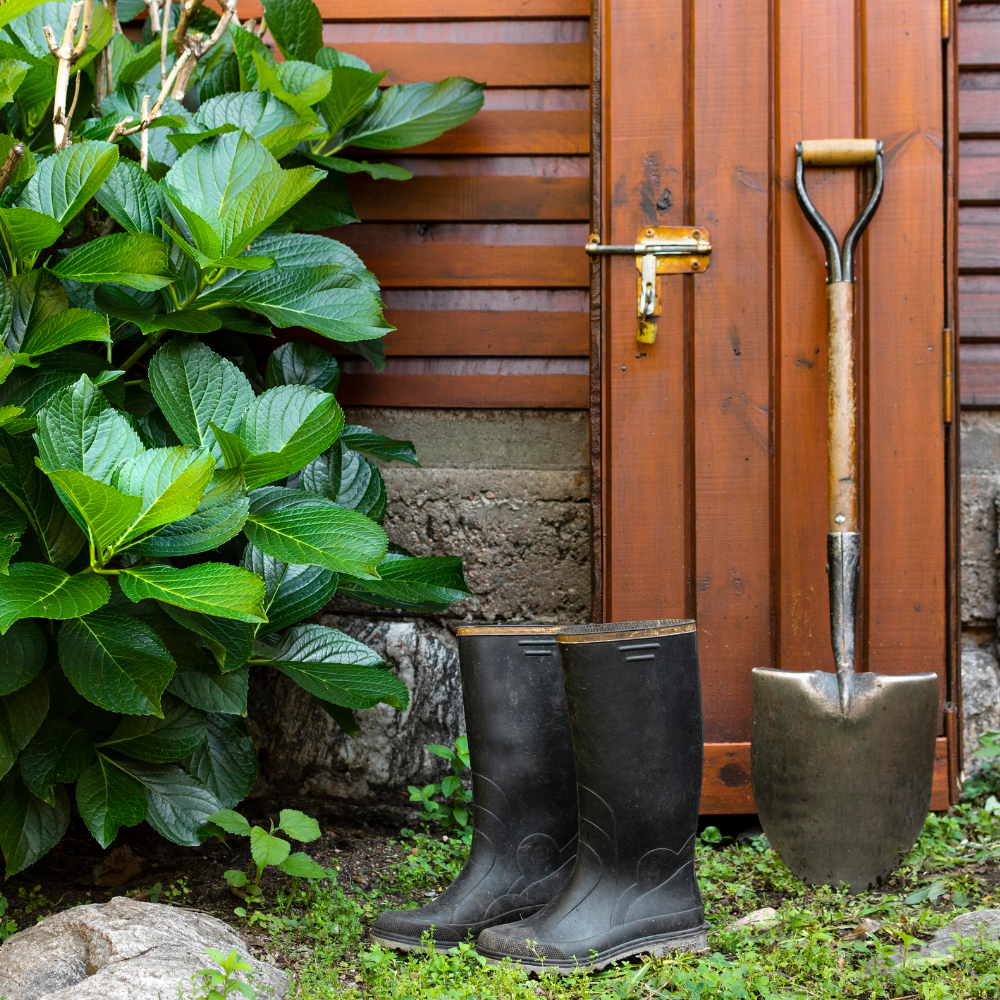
{"x": 108, "y": 799}
{"x": 178, "y": 803}
{"x": 245, "y": 43}
{"x": 300, "y": 865}
{"x": 334, "y": 667}
{"x": 343, "y": 717}
{"x": 28, "y": 164}
{"x": 328, "y": 204}
{"x": 55, "y": 530}
{"x": 116, "y": 661}
{"x": 21, "y": 714}
{"x": 305, "y": 80}
{"x": 231, "y": 642}
{"x": 378, "y": 171}
{"x": 159, "y": 740}
{"x": 428, "y": 583}
{"x": 183, "y": 141}
{"x": 351, "y": 88}
{"x": 220, "y": 76}
{"x": 309, "y": 530}
{"x": 12, "y": 73}
{"x": 141, "y": 62}
{"x": 36, "y": 296}
{"x": 219, "y": 516}
{"x": 263, "y": 116}
{"x": 284, "y": 429}
{"x": 300, "y": 363}
{"x": 65, "y": 328}
{"x": 138, "y": 260}
{"x": 293, "y": 592}
{"x": 210, "y": 588}
{"x": 298, "y": 826}
{"x": 295, "y": 250}
{"x": 213, "y": 691}
{"x": 267, "y": 849}
{"x": 226, "y": 762}
{"x": 29, "y": 827}
{"x": 22, "y": 656}
{"x": 13, "y": 524}
{"x": 133, "y": 199}
{"x": 33, "y": 590}
{"x": 59, "y": 752}
{"x": 329, "y": 299}
{"x": 26, "y": 232}
{"x": 378, "y": 445}
{"x": 268, "y": 79}
{"x": 296, "y": 27}
{"x": 78, "y": 429}
{"x": 15, "y": 8}
{"x": 67, "y": 180}
{"x": 195, "y": 388}
{"x": 231, "y": 822}
{"x": 414, "y": 113}
{"x": 27, "y": 28}
{"x": 118, "y": 303}
{"x": 348, "y": 478}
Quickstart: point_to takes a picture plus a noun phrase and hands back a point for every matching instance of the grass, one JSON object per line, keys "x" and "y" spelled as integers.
{"x": 817, "y": 949}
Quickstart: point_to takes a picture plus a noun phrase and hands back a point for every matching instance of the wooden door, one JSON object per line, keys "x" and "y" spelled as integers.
{"x": 710, "y": 445}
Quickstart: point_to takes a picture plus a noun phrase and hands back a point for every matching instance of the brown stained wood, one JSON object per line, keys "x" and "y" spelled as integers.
{"x": 725, "y": 787}
{"x": 471, "y": 265}
{"x": 979, "y": 170}
{"x": 904, "y": 560}
{"x": 979, "y": 238}
{"x": 979, "y": 308}
{"x": 436, "y": 10}
{"x": 500, "y": 133}
{"x": 515, "y": 391}
{"x": 479, "y": 199}
{"x": 646, "y": 486}
{"x": 978, "y": 35}
{"x": 732, "y": 358}
{"x": 979, "y": 108}
{"x": 805, "y": 109}
{"x": 496, "y": 64}
{"x": 980, "y": 369}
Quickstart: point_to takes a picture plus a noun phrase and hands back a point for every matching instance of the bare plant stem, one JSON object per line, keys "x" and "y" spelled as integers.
{"x": 10, "y": 164}
{"x": 144, "y": 150}
{"x": 154, "y": 15}
{"x": 163, "y": 39}
{"x": 147, "y": 345}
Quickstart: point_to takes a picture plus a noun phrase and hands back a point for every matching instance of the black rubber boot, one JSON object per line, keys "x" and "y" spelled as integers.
{"x": 634, "y": 697}
{"x": 523, "y": 789}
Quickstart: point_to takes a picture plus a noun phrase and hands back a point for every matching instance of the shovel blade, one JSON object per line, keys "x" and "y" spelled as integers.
{"x": 842, "y": 798}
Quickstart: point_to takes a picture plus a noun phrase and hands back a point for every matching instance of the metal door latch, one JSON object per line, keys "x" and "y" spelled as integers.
{"x": 659, "y": 250}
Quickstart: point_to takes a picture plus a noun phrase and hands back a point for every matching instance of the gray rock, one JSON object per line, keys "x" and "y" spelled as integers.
{"x": 122, "y": 950}
{"x": 305, "y": 757}
{"x": 979, "y": 545}
{"x": 980, "y": 700}
{"x": 983, "y": 924}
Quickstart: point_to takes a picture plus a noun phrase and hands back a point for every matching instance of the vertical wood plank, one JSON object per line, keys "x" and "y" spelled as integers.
{"x": 731, "y": 89}
{"x": 645, "y": 410}
{"x": 904, "y": 510}
{"x": 815, "y": 99}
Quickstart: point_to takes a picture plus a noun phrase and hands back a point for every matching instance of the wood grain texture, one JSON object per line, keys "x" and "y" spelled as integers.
{"x": 726, "y": 789}
{"x": 979, "y": 239}
{"x": 905, "y": 609}
{"x": 979, "y": 104}
{"x": 979, "y": 170}
{"x": 480, "y": 199}
{"x": 979, "y": 35}
{"x": 514, "y": 391}
{"x": 436, "y": 10}
{"x": 979, "y": 307}
{"x": 498, "y": 65}
{"x": 980, "y": 384}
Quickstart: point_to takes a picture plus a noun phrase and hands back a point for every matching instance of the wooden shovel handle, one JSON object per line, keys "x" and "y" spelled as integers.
{"x": 842, "y": 457}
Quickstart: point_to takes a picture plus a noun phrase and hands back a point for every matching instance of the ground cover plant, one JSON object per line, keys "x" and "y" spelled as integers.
{"x": 170, "y": 514}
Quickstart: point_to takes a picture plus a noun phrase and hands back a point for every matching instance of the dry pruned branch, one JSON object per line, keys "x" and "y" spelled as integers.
{"x": 10, "y": 164}
{"x": 67, "y": 53}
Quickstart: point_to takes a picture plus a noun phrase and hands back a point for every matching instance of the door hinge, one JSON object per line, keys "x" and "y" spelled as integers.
{"x": 946, "y": 19}
{"x": 949, "y": 374}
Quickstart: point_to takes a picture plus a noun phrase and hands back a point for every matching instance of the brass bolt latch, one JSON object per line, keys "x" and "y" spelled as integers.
{"x": 659, "y": 250}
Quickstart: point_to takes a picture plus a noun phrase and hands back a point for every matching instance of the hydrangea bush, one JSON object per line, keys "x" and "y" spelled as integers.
{"x": 169, "y": 514}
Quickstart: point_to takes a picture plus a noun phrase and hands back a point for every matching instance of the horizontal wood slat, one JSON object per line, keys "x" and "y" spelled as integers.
{"x": 726, "y": 779}
{"x": 437, "y": 10}
{"x": 978, "y": 35}
{"x": 480, "y": 199}
{"x": 497, "y": 133}
{"x": 979, "y": 368}
{"x": 498, "y": 65}
{"x": 979, "y": 110}
{"x": 513, "y": 391}
{"x": 979, "y": 306}
{"x": 979, "y": 238}
{"x": 979, "y": 170}
{"x": 471, "y": 265}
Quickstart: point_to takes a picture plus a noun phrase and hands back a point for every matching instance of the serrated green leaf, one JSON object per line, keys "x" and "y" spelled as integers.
{"x": 298, "y": 826}
{"x": 22, "y": 656}
{"x": 178, "y": 805}
{"x": 296, "y": 27}
{"x": 378, "y": 445}
{"x": 351, "y": 88}
{"x": 293, "y": 592}
{"x": 262, "y": 115}
{"x": 231, "y": 642}
{"x": 139, "y": 260}
{"x": 29, "y": 827}
{"x": 65, "y": 328}
{"x": 377, "y": 171}
{"x": 141, "y": 62}
{"x": 118, "y": 303}
{"x": 12, "y": 74}
{"x": 348, "y": 478}
{"x": 58, "y": 752}
{"x": 309, "y": 530}
{"x": 159, "y": 740}
{"x": 133, "y": 199}
{"x": 34, "y": 590}
{"x": 414, "y": 113}
{"x": 67, "y": 180}
{"x": 268, "y": 79}
{"x": 300, "y": 363}
{"x": 213, "y": 691}
{"x": 334, "y": 667}
{"x": 343, "y": 717}
{"x": 209, "y": 588}
{"x": 15, "y": 8}
{"x": 35, "y": 296}
{"x": 26, "y": 233}
{"x": 245, "y": 43}
{"x": 183, "y": 141}
{"x": 195, "y": 388}
{"x": 305, "y": 80}
{"x": 413, "y": 583}
{"x": 327, "y": 204}
{"x": 300, "y": 865}
{"x": 115, "y": 661}
{"x": 13, "y": 524}
{"x": 108, "y": 799}
{"x": 267, "y": 849}
{"x": 27, "y": 28}
{"x": 231, "y": 822}
{"x": 21, "y": 714}
{"x": 226, "y": 762}
{"x": 330, "y": 58}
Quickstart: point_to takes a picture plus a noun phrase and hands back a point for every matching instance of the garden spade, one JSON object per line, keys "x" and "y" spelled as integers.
{"x": 841, "y": 765}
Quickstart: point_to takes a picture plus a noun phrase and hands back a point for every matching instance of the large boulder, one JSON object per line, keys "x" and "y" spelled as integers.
{"x": 123, "y": 950}
{"x": 967, "y": 928}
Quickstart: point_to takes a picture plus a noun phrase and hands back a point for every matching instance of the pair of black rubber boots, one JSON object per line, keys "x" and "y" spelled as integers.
{"x": 584, "y": 820}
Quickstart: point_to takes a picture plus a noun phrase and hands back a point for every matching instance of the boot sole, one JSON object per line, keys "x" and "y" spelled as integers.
{"x": 406, "y": 943}
{"x": 695, "y": 939}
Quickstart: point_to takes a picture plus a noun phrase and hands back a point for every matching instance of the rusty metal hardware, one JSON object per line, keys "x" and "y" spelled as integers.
{"x": 658, "y": 250}
{"x": 949, "y": 375}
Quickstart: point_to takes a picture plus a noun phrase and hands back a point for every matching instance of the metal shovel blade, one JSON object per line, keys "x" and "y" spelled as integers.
{"x": 842, "y": 796}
